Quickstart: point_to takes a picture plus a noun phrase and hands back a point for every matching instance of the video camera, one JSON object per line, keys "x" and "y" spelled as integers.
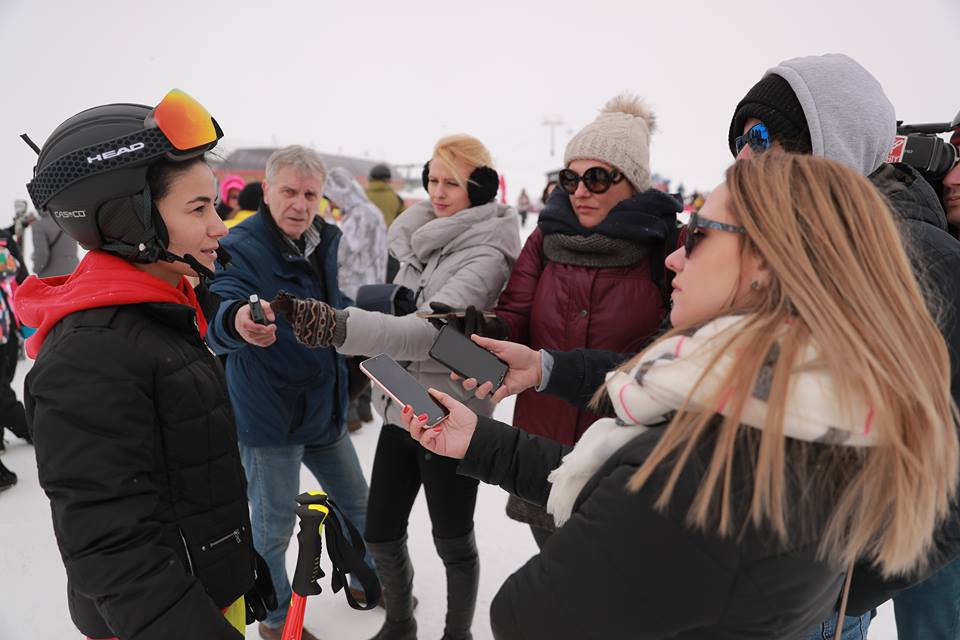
{"x": 919, "y": 146}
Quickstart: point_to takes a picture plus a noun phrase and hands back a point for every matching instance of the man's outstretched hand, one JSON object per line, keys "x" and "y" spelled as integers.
{"x": 261, "y": 335}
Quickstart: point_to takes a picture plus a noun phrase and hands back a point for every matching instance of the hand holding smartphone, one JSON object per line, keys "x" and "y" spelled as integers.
{"x": 403, "y": 388}
{"x": 466, "y": 358}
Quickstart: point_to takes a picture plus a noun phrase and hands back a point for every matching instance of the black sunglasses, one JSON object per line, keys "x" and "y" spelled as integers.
{"x": 595, "y": 179}
{"x": 696, "y": 222}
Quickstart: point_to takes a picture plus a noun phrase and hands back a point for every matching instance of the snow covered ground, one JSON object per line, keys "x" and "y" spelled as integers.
{"x": 32, "y": 582}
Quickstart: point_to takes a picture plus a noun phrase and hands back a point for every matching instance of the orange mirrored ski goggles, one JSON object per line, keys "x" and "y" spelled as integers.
{"x": 184, "y": 122}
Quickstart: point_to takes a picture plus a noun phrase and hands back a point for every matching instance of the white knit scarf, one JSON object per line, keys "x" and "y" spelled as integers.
{"x": 661, "y": 383}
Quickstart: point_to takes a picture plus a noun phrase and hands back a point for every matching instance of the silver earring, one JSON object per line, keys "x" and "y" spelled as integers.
{"x": 755, "y": 285}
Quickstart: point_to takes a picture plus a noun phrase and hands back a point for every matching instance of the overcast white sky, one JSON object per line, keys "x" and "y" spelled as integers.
{"x": 386, "y": 79}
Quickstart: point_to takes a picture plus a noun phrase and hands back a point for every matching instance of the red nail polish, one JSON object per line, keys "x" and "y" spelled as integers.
{"x": 406, "y": 409}
{"x": 422, "y": 417}
{"x": 438, "y": 429}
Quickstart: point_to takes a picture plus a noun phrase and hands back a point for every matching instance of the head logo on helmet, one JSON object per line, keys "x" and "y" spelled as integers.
{"x": 113, "y": 153}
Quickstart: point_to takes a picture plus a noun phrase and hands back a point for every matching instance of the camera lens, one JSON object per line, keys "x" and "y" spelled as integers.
{"x": 945, "y": 157}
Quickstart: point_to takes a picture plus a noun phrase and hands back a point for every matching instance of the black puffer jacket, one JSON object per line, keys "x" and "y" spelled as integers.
{"x": 137, "y": 451}
{"x": 935, "y": 255}
{"x": 621, "y": 569}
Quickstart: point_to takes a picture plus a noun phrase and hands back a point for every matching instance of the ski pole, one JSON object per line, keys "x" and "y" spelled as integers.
{"x": 312, "y": 510}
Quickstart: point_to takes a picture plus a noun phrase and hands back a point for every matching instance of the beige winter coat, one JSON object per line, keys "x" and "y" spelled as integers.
{"x": 461, "y": 260}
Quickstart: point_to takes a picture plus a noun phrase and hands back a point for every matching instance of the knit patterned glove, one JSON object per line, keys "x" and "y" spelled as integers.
{"x": 313, "y": 321}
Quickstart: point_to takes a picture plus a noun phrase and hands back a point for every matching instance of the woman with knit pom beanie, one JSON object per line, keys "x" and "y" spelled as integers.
{"x": 591, "y": 274}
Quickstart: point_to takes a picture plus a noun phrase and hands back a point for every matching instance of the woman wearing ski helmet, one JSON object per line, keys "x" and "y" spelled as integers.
{"x": 135, "y": 440}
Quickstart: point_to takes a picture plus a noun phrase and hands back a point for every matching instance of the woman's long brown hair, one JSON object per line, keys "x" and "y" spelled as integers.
{"x": 840, "y": 280}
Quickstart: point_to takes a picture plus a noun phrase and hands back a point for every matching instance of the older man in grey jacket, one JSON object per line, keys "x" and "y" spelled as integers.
{"x": 54, "y": 254}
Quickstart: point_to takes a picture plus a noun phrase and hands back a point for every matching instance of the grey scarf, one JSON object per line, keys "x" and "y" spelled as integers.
{"x": 595, "y": 250}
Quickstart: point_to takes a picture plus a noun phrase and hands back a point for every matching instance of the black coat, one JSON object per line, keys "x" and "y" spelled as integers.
{"x": 137, "y": 452}
{"x": 620, "y": 569}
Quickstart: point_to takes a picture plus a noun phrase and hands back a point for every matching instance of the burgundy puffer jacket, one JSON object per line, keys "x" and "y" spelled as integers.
{"x": 549, "y": 305}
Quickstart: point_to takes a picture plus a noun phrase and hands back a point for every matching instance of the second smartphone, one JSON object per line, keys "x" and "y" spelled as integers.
{"x": 466, "y": 358}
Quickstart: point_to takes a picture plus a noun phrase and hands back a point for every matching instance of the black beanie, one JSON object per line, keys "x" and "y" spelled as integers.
{"x": 773, "y": 102}
{"x": 380, "y": 172}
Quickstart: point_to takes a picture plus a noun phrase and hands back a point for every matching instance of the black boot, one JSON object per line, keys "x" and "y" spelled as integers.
{"x": 7, "y": 478}
{"x": 396, "y": 576}
{"x": 462, "y": 563}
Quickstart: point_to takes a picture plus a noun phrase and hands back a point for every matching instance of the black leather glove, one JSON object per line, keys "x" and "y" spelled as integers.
{"x": 262, "y": 598}
{"x": 439, "y": 323}
{"x": 474, "y": 321}
{"x": 471, "y": 322}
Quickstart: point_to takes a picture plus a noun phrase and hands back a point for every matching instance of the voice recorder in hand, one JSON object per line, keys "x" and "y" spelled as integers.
{"x": 256, "y": 310}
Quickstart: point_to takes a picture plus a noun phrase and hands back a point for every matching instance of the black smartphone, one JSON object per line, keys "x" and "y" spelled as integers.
{"x": 466, "y": 358}
{"x": 403, "y": 388}
{"x": 256, "y": 311}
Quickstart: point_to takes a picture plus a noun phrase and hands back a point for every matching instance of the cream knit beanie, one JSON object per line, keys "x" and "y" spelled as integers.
{"x": 620, "y": 136}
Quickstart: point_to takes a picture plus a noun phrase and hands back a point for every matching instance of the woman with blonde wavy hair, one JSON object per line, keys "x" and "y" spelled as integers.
{"x": 797, "y": 419}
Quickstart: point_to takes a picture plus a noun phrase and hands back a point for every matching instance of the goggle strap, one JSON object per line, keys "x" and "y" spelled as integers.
{"x": 90, "y": 161}
{"x": 30, "y": 143}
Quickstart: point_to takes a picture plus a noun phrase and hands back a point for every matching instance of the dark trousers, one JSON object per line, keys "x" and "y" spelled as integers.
{"x": 400, "y": 466}
{"x": 11, "y": 409}
{"x": 358, "y": 383}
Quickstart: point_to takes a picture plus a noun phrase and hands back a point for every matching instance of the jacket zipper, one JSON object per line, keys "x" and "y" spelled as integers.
{"x": 236, "y": 534}
{"x": 186, "y": 550}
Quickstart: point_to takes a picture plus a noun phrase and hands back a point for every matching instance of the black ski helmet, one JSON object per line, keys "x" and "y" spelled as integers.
{"x": 91, "y": 175}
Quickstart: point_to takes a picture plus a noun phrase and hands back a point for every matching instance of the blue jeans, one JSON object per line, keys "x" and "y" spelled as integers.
{"x": 930, "y": 610}
{"x": 273, "y": 482}
{"x": 854, "y": 628}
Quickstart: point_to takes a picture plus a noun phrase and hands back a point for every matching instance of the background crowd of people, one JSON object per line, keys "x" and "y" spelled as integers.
{"x": 735, "y": 410}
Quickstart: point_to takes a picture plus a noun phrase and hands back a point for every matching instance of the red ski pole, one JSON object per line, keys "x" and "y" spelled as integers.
{"x": 313, "y": 511}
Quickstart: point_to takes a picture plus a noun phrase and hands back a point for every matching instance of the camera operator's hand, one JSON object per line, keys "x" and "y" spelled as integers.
{"x": 253, "y": 333}
{"x": 524, "y": 371}
{"x": 450, "y": 438}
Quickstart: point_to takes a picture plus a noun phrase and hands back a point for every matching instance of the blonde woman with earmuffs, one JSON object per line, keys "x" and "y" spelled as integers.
{"x": 456, "y": 249}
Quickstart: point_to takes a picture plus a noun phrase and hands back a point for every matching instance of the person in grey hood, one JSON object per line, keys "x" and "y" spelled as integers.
{"x": 361, "y": 260}
{"x": 457, "y": 248}
{"x": 54, "y": 254}
{"x": 831, "y": 106}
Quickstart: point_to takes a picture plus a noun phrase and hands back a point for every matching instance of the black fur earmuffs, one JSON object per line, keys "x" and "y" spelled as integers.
{"x": 482, "y": 185}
